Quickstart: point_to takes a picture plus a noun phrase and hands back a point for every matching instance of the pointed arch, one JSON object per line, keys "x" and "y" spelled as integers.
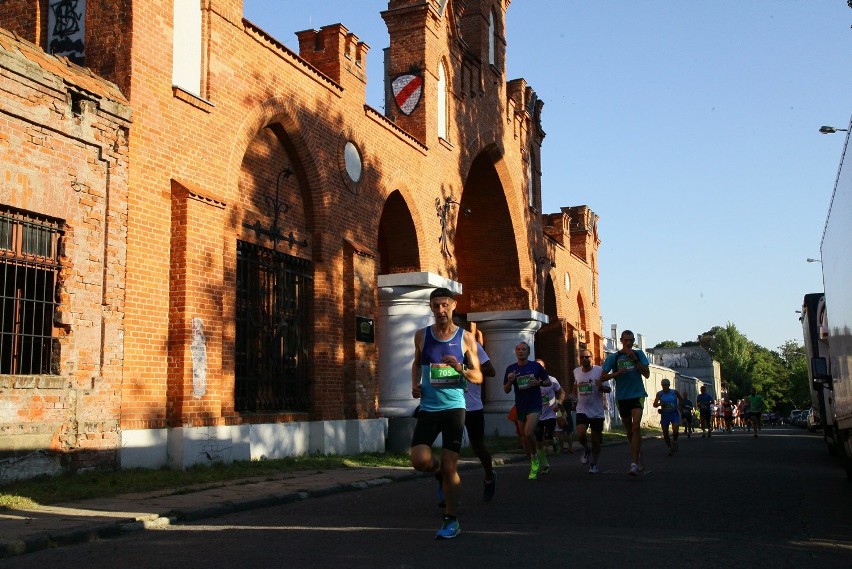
{"x": 443, "y": 110}
{"x": 581, "y": 312}
{"x": 284, "y": 111}
{"x": 399, "y": 251}
{"x": 549, "y": 302}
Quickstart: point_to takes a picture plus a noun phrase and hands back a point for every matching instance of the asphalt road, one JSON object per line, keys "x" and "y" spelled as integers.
{"x": 732, "y": 501}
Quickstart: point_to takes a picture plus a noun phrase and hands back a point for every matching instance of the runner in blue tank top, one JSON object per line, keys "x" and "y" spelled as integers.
{"x": 526, "y": 377}
{"x": 438, "y": 379}
{"x": 668, "y": 401}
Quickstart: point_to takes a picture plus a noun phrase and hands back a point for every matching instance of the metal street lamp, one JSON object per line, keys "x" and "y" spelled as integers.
{"x": 809, "y": 260}
{"x": 830, "y": 129}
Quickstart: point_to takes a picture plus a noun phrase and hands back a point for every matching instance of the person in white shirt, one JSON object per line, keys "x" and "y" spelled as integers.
{"x": 588, "y": 391}
{"x": 552, "y": 397}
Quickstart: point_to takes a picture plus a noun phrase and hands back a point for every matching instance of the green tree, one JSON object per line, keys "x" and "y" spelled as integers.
{"x": 767, "y": 375}
{"x": 707, "y": 340}
{"x": 734, "y": 352}
{"x": 780, "y": 376}
{"x": 668, "y": 344}
{"x": 795, "y": 384}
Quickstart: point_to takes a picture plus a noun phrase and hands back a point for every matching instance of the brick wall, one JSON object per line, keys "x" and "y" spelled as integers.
{"x": 26, "y": 18}
{"x": 63, "y": 150}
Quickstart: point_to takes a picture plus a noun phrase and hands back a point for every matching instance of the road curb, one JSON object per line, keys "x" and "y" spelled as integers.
{"x": 118, "y": 527}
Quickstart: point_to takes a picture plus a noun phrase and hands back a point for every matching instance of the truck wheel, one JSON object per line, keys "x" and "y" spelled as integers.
{"x": 845, "y": 446}
{"x": 830, "y": 437}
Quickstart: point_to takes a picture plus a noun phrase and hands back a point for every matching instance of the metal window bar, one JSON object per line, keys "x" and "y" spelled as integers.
{"x": 274, "y": 292}
{"x": 29, "y": 268}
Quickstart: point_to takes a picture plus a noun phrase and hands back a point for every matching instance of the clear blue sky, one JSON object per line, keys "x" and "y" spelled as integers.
{"x": 689, "y": 127}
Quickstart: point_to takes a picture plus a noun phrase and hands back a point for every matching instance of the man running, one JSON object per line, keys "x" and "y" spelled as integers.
{"x": 474, "y": 422}
{"x": 668, "y": 400}
{"x": 628, "y": 366}
{"x": 439, "y": 379}
{"x": 552, "y": 397}
{"x": 686, "y": 413}
{"x": 756, "y": 405}
{"x": 705, "y": 403}
{"x": 525, "y": 377}
{"x": 588, "y": 390}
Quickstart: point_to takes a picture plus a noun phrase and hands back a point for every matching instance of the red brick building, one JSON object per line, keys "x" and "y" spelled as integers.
{"x": 282, "y": 236}
{"x": 63, "y": 251}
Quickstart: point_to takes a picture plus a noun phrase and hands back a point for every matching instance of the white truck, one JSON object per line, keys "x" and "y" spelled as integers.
{"x": 815, "y": 332}
{"x": 831, "y": 361}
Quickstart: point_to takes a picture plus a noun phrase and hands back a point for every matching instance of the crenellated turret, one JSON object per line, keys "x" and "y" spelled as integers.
{"x": 337, "y": 53}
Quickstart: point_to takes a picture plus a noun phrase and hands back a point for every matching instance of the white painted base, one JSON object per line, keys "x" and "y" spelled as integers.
{"x": 143, "y": 448}
{"x": 182, "y": 447}
{"x": 497, "y": 425}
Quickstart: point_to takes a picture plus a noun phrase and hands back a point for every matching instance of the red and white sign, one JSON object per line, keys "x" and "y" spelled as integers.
{"x": 407, "y": 90}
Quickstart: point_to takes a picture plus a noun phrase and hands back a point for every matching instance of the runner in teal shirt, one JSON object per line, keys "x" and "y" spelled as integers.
{"x": 628, "y": 366}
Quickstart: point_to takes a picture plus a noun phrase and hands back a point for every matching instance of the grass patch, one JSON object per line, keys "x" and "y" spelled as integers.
{"x": 29, "y": 494}
{"x": 81, "y": 486}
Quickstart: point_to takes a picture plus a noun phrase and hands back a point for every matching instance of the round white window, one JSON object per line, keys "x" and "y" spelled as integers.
{"x": 352, "y": 159}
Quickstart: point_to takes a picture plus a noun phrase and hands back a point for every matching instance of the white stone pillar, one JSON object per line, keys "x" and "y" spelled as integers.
{"x": 403, "y": 309}
{"x": 501, "y": 332}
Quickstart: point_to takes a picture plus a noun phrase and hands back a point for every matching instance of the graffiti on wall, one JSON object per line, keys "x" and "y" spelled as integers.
{"x": 687, "y": 358}
{"x": 66, "y": 29}
{"x": 675, "y": 360}
{"x": 198, "y": 349}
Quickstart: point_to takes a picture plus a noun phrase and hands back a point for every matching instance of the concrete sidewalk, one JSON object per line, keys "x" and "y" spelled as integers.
{"x": 25, "y": 531}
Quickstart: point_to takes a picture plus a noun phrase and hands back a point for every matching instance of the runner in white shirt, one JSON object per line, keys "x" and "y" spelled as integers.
{"x": 552, "y": 397}
{"x": 588, "y": 390}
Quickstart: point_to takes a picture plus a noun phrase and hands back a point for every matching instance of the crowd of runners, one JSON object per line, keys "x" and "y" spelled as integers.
{"x": 450, "y": 365}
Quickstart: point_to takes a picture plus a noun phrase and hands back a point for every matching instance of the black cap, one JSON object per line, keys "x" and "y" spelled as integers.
{"x": 441, "y": 292}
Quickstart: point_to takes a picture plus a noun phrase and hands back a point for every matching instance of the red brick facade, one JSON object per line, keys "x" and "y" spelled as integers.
{"x": 204, "y": 173}
{"x": 64, "y": 151}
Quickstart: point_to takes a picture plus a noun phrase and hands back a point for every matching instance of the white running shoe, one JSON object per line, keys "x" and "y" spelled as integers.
{"x": 593, "y": 469}
{"x": 634, "y": 470}
{"x": 585, "y": 458}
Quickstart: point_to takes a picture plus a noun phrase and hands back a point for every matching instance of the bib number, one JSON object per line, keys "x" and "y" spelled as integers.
{"x": 442, "y": 375}
{"x": 524, "y": 381}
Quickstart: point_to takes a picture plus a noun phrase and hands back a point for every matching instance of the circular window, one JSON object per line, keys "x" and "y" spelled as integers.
{"x": 567, "y": 282}
{"x": 352, "y": 159}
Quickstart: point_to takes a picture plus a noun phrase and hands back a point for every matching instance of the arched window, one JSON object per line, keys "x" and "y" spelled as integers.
{"x": 186, "y": 46}
{"x": 492, "y": 35}
{"x": 442, "y": 101}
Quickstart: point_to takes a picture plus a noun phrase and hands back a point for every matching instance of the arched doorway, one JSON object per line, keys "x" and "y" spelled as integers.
{"x": 549, "y": 341}
{"x": 485, "y": 246}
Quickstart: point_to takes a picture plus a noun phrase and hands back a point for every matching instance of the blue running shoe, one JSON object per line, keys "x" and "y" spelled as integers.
{"x": 449, "y": 529}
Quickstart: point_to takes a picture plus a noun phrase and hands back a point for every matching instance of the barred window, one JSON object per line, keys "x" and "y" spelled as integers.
{"x": 29, "y": 255}
{"x": 274, "y": 292}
